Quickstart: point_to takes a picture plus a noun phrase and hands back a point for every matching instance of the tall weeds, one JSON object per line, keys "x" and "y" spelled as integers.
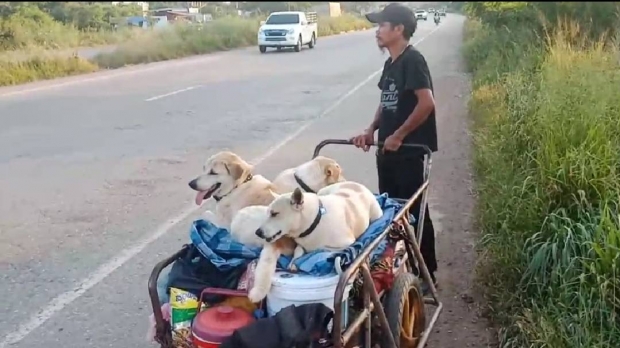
{"x": 546, "y": 109}
{"x": 222, "y": 34}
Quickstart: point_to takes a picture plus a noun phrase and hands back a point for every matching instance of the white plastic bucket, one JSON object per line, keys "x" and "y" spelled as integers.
{"x": 299, "y": 289}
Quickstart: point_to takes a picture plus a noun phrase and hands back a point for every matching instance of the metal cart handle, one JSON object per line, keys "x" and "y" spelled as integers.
{"x": 322, "y": 144}
{"x": 426, "y": 149}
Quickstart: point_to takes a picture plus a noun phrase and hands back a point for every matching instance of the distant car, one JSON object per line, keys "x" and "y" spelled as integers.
{"x": 431, "y": 10}
{"x": 442, "y": 13}
{"x": 288, "y": 29}
{"x": 421, "y": 14}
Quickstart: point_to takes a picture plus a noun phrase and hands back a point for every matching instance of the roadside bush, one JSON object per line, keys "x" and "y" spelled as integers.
{"x": 219, "y": 35}
{"x": 546, "y": 151}
{"x": 346, "y": 22}
{"x": 14, "y": 73}
{"x": 182, "y": 41}
{"x": 28, "y": 25}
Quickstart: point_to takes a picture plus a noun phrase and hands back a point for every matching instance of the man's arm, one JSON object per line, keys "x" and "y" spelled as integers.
{"x": 417, "y": 79}
{"x": 375, "y": 122}
{"x": 426, "y": 104}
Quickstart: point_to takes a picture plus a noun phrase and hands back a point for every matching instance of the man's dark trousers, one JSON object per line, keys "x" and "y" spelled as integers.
{"x": 401, "y": 177}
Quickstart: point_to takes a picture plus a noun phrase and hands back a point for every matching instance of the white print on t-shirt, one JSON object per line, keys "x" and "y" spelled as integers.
{"x": 389, "y": 95}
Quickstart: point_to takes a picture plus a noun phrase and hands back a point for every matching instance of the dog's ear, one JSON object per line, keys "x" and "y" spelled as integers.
{"x": 332, "y": 170}
{"x": 297, "y": 199}
{"x": 236, "y": 170}
{"x": 329, "y": 171}
{"x": 333, "y": 173}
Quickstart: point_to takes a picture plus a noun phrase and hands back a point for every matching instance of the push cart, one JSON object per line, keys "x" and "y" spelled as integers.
{"x": 398, "y": 312}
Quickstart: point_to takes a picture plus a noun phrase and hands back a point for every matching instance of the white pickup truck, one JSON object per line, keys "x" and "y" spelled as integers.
{"x": 288, "y": 29}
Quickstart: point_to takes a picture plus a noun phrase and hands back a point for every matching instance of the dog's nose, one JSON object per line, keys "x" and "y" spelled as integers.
{"x": 260, "y": 233}
{"x": 192, "y": 184}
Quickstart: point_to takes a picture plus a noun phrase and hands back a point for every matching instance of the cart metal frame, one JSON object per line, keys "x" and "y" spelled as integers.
{"x": 372, "y": 299}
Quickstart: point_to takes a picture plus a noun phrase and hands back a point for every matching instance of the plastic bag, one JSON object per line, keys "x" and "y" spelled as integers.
{"x": 184, "y": 307}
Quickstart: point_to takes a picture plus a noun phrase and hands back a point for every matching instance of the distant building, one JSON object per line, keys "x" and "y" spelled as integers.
{"x": 331, "y": 9}
{"x": 334, "y": 9}
{"x": 190, "y": 14}
{"x": 138, "y": 21}
{"x": 143, "y": 4}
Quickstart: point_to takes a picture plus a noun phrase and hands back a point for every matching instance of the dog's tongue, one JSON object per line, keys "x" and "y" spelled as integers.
{"x": 201, "y": 196}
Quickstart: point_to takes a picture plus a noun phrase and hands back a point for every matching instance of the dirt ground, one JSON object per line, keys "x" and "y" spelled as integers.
{"x": 460, "y": 324}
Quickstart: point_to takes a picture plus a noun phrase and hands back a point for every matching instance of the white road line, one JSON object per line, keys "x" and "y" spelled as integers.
{"x": 63, "y": 300}
{"x": 172, "y": 93}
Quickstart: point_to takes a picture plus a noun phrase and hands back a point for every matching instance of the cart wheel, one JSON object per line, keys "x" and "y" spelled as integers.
{"x": 404, "y": 308}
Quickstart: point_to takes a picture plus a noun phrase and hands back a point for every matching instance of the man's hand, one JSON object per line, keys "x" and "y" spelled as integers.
{"x": 364, "y": 140}
{"x": 392, "y": 143}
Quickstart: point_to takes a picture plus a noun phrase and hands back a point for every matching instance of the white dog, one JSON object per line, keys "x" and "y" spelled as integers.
{"x": 313, "y": 175}
{"x": 310, "y": 176}
{"x": 332, "y": 219}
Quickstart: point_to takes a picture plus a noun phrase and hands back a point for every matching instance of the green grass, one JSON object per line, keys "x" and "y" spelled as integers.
{"x": 148, "y": 46}
{"x": 183, "y": 41}
{"x": 546, "y": 117}
{"x": 34, "y": 69}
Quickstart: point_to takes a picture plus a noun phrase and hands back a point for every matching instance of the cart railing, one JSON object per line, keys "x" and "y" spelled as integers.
{"x": 161, "y": 328}
{"x": 372, "y": 301}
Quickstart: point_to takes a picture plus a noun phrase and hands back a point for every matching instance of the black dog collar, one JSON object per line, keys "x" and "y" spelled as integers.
{"x": 302, "y": 184}
{"x": 248, "y": 178}
{"x": 316, "y": 221}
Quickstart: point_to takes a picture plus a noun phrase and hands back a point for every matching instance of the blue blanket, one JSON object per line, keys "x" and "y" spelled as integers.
{"x": 216, "y": 244}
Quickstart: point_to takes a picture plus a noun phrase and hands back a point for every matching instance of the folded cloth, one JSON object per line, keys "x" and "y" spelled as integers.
{"x": 217, "y": 245}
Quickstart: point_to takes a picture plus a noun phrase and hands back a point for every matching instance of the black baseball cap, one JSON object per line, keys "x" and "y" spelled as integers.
{"x": 396, "y": 14}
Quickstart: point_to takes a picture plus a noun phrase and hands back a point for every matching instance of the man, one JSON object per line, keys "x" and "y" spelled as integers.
{"x": 406, "y": 114}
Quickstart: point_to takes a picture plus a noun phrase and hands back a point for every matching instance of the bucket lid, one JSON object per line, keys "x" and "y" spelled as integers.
{"x": 217, "y": 323}
{"x": 303, "y": 281}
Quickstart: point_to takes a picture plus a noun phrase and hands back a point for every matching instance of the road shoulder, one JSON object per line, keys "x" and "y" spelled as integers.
{"x": 460, "y": 324}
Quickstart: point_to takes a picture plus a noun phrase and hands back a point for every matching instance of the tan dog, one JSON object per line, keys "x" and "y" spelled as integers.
{"x": 229, "y": 180}
{"x": 310, "y": 176}
{"x": 332, "y": 219}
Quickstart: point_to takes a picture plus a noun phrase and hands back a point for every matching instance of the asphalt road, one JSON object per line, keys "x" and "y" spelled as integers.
{"x": 94, "y": 169}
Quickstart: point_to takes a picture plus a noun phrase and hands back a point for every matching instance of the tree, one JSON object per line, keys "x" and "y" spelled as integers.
{"x": 26, "y": 24}
{"x": 84, "y": 15}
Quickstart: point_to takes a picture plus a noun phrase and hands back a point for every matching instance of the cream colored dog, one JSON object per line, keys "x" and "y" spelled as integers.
{"x": 229, "y": 180}
{"x": 313, "y": 175}
{"x": 310, "y": 176}
{"x": 332, "y": 219}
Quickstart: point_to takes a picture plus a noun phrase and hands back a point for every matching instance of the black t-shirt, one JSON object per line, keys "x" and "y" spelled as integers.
{"x": 398, "y": 82}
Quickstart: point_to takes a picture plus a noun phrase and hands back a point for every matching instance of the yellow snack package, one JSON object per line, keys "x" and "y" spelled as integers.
{"x": 183, "y": 307}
